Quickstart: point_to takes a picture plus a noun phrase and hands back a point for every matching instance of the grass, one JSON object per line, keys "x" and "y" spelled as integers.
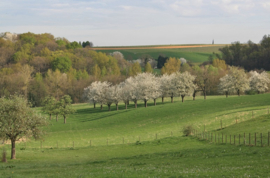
{"x": 142, "y": 155}
{"x": 195, "y": 54}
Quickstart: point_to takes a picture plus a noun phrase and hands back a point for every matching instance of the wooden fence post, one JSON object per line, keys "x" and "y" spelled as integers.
{"x": 249, "y": 139}
{"x": 234, "y": 140}
{"x": 73, "y": 144}
{"x": 107, "y": 142}
{"x": 215, "y": 137}
{"x": 244, "y": 138}
{"x": 211, "y": 137}
{"x": 230, "y": 139}
{"x": 156, "y": 136}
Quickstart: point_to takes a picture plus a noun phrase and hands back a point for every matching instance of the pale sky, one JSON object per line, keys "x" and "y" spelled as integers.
{"x": 140, "y": 22}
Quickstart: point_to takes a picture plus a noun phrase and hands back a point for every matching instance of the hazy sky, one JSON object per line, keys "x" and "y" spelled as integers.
{"x": 140, "y": 22}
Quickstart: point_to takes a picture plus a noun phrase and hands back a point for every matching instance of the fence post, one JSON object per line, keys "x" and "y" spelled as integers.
{"x": 244, "y": 138}
{"x": 73, "y": 144}
{"x": 194, "y": 133}
{"x": 90, "y": 143}
{"x": 204, "y": 127}
{"x": 218, "y": 137}
{"x": 156, "y": 136}
{"x": 107, "y": 142}
{"x": 123, "y": 140}
{"x": 57, "y": 144}
{"x": 230, "y": 139}
{"x": 261, "y": 140}
{"x": 236, "y": 120}
{"x": 215, "y": 138}
{"x": 268, "y": 110}
{"x": 249, "y": 139}
{"x": 226, "y": 138}
{"x": 234, "y": 140}
{"x": 139, "y": 138}
{"x": 211, "y": 137}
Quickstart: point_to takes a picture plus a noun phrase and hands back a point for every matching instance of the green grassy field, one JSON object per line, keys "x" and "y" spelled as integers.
{"x": 196, "y": 55}
{"x": 124, "y": 143}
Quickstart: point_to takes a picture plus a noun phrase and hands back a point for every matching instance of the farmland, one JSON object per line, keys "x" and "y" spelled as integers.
{"x": 193, "y": 53}
{"x": 148, "y": 142}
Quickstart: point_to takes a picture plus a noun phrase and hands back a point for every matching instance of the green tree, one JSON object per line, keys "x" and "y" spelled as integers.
{"x": 65, "y": 107}
{"x": 135, "y": 69}
{"x": 148, "y": 68}
{"x": 61, "y": 63}
{"x": 49, "y": 106}
{"x": 18, "y": 120}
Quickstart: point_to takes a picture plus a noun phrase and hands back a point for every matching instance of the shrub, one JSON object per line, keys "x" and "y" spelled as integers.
{"x": 187, "y": 130}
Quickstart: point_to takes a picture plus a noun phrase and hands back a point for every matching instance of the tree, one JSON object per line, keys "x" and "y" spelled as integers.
{"x": 148, "y": 68}
{"x": 165, "y": 82}
{"x": 171, "y": 66}
{"x": 49, "y": 106}
{"x": 259, "y": 82}
{"x": 65, "y": 107}
{"x": 18, "y": 120}
{"x": 219, "y": 63}
{"x": 63, "y": 64}
{"x": 148, "y": 87}
{"x": 235, "y": 82}
{"x": 135, "y": 69}
{"x": 134, "y": 92}
{"x": 161, "y": 61}
{"x": 184, "y": 84}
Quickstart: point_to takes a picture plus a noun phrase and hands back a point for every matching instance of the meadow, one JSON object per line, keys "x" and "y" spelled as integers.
{"x": 148, "y": 142}
{"x": 193, "y": 54}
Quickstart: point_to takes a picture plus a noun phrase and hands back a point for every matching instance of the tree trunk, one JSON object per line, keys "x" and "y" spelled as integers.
{"x": 194, "y": 94}
{"x": 50, "y": 116}
{"x": 135, "y": 102}
{"x": 183, "y": 96}
{"x": 94, "y": 105}
{"x": 57, "y": 118}
{"x": 155, "y": 103}
{"x": 171, "y": 99}
{"x": 101, "y": 107}
{"x": 65, "y": 119}
{"x": 238, "y": 92}
{"x": 145, "y": 103}
{"x": 109, "y": 107}
{"x": 226, "y": 94}
{"x": 126, "y": 104}
{"x": 204, "y": 93}
{"x": 162, "y": 99}
{"x": 116, "y": 107}
{"x": 13, "y": 150}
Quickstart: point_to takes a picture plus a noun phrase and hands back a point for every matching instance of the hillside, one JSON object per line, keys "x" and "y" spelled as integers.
{"x": 153, "y": 141}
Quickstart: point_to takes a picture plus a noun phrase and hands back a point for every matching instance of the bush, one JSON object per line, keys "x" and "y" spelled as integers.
{"x": 187, "y": 130}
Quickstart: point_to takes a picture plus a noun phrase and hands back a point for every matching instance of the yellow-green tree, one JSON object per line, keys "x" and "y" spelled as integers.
{"x": 96, "y": 71}
{"x": 171, "y": 66}
{"x": 219, "y": 63}
{"x": 135, "y": 69}
{"x": 148, "y": 68}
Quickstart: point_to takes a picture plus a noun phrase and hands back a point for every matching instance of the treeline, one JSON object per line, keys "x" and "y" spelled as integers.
{"x": 40, "y": 65}
{"x": 250, "y": 56}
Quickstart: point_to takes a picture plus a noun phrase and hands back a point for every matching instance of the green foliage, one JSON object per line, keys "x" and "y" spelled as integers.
{"x": 63, "y": 64}
{"x": 148, "y": 68}
{"x": 49, "y": 105}
{"x": 65, "y": 107}
{"x": 187, "y": 130}
{"x": 73, "y": 45}
{"x": 18, "y": 120}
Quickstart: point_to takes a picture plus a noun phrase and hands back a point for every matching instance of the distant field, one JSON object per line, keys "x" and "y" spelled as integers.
{"x": 193, "y": 53}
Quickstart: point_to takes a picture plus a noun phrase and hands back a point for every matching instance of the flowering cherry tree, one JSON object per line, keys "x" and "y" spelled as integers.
{"x": 259, "y": 82}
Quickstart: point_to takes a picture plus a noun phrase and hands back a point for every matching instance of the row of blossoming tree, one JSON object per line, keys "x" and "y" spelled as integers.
{"x": 146, "y": 86}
